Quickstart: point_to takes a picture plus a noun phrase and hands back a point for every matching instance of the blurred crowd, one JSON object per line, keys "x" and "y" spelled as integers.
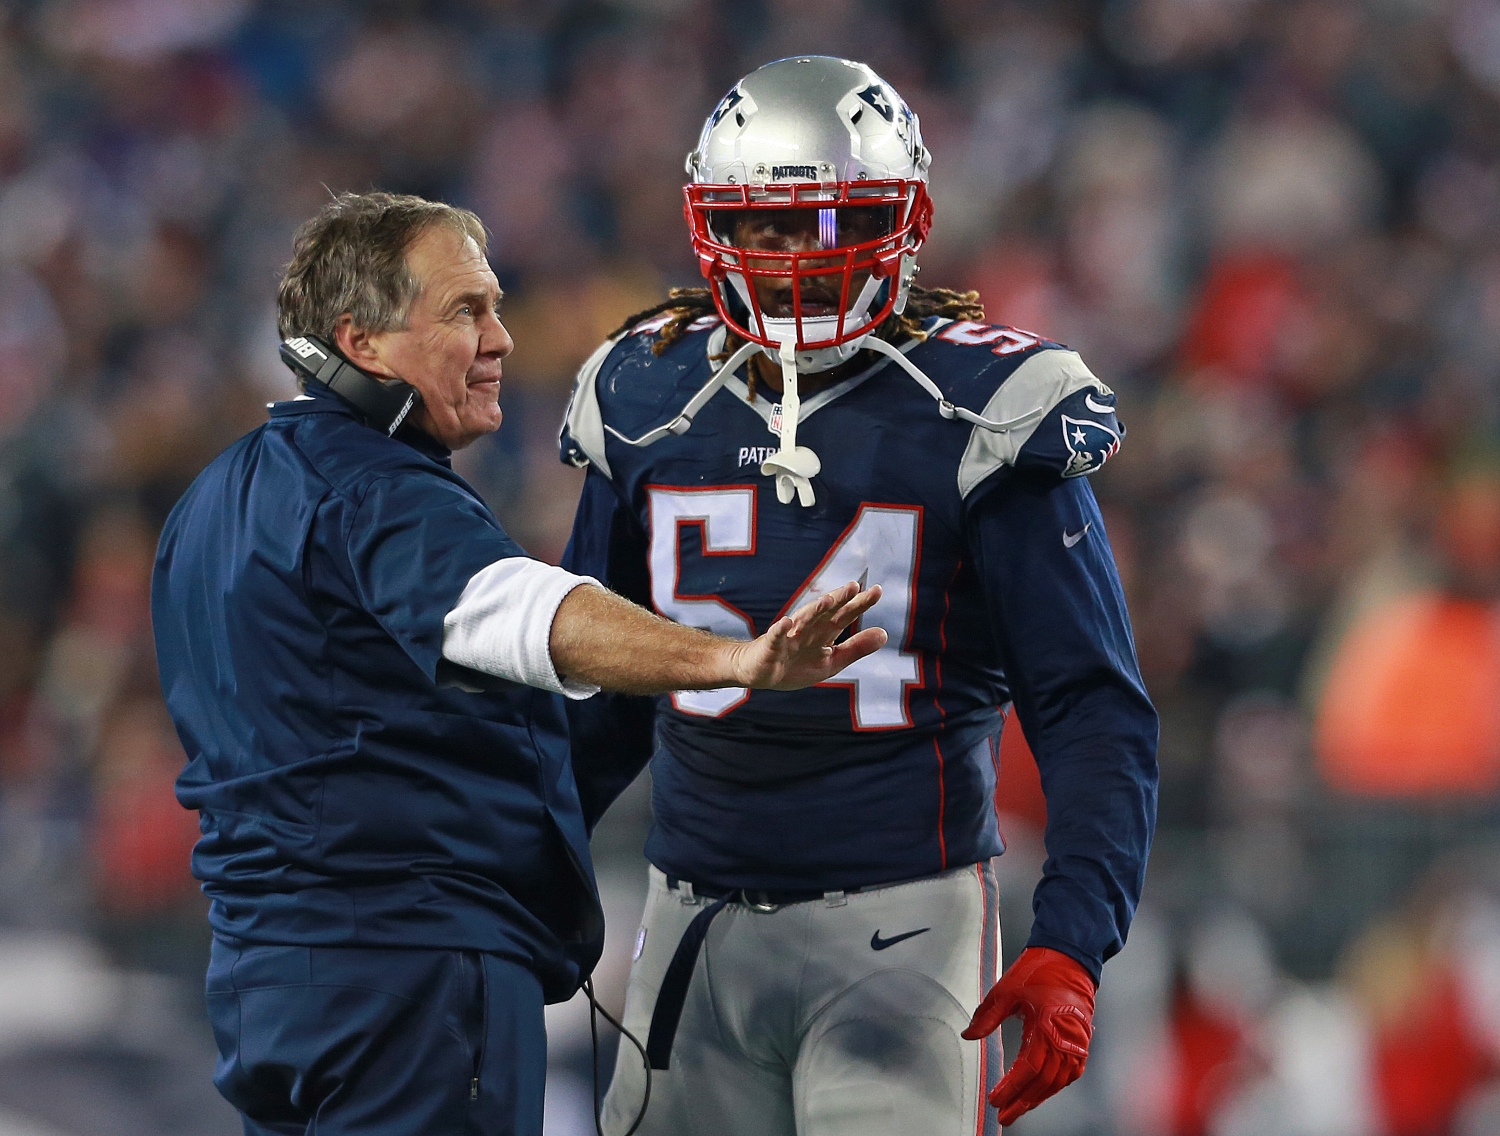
{"x": 1273, "y": 226}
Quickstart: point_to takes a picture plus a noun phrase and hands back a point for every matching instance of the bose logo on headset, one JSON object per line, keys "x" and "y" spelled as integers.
{"x": 385, "y": 403}
{"x": 302, "y": 347}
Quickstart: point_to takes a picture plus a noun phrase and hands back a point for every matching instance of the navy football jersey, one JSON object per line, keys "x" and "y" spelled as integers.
{"x": 999, "y": 587}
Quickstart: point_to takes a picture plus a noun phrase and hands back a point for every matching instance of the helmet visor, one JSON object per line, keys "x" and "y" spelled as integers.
{"x": 803, "y": 229}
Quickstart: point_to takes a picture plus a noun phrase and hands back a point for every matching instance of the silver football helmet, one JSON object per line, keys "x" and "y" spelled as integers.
{"x": 823, "y": 161}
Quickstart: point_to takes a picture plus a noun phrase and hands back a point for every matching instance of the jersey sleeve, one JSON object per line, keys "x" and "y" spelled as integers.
{"x": 1059, "y": 616}
{"x": 612, "y": 734}
{"x": 414, "y": 543}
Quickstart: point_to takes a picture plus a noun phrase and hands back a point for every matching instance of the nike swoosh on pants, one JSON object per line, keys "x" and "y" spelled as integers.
{"x": 879, "y": 944}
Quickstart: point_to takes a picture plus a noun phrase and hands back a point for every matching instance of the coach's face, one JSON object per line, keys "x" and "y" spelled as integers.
{"x": 453, "y": 341}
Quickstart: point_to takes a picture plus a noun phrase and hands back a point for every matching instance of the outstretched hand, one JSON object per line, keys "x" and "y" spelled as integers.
{"x": 799, "y": 650}
{"x": 1054, "y": 996}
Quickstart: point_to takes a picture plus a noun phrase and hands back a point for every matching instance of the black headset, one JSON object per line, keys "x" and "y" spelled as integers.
{"x": 385, "y": 403}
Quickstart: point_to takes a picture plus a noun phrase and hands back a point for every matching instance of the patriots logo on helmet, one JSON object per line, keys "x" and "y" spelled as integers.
{"x": 726, "y": 104}
{"x": 1090, "y": 445}
{"x": 878, "y": 102}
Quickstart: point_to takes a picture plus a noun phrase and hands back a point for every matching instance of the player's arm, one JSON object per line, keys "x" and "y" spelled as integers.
{"x": 611, "y": 736}
{"x": 1059, "y": 616}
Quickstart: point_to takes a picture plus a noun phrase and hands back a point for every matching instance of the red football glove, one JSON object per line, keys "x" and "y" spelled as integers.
{"x": 1055, "y": 997}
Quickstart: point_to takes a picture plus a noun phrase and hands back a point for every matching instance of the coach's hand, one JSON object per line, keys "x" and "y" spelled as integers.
{"x": 600, "y": 638}
{"x": 799, "y": 650}
{"x": 1055, "y": 997}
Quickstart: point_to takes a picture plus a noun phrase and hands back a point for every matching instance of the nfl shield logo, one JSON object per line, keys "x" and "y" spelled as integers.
{"x": 775, "y": 426}
{"x": 1090, "y": 445}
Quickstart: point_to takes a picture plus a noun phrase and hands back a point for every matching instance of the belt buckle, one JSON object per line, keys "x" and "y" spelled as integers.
{"x": 760, "y": 906}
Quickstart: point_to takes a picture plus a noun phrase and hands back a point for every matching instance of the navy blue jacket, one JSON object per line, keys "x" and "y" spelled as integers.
{"x": 348, "y": 795}
{"x": 999, "y": 587}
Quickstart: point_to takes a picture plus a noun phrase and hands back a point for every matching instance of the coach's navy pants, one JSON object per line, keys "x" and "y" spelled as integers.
{"x": 323, "y": 1041}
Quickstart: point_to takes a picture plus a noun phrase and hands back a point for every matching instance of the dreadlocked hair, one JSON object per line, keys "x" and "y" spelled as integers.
{"x": 924, "y": 303}
{"x": 690, "y": 304}
{"x": 685, "y": 304}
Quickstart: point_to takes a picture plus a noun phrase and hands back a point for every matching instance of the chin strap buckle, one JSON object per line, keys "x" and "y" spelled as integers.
{"x": 794, "y": 471}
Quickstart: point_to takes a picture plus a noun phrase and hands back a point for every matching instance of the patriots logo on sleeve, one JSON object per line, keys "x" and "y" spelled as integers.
{"x": 1077, "y": 436}
{"x": 1090, "y": 444}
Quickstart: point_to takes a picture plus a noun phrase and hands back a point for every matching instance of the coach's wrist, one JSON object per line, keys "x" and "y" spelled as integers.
{"x": 732, "y": 663}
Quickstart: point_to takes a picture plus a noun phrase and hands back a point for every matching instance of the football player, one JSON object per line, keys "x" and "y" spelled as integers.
{"x": 818, "y": 950}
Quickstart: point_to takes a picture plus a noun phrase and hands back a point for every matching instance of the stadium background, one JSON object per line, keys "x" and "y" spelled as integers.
{"x": 1270, "y": 225}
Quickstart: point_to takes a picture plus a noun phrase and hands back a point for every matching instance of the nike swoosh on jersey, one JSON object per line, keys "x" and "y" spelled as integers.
{"x": 879, "y": 944}
{"x": 1097, "y": 407}
{"x": 1070, "y": 539}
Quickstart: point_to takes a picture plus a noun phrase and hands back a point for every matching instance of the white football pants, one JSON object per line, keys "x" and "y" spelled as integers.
{"x": 834, "y": 1017}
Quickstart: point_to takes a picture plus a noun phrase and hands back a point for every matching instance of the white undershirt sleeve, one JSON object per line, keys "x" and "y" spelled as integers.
{"x": 502, "y": 623}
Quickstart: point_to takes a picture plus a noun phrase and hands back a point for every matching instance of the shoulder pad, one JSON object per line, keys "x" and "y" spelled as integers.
{"x": 1074, "y": 433}
{"x": 655, "y": 387}
{"x": 582, "y": 437}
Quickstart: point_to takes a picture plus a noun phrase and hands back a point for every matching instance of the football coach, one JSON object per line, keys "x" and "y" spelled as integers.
{"x": 368, "y": 677}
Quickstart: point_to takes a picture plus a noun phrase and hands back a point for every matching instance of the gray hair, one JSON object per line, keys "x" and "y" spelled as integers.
{"x": 351, "y": 258}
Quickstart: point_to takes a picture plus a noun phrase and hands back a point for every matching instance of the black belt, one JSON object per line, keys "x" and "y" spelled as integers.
{"x": 759, "y": 897}
{"x": 679, "y": 974}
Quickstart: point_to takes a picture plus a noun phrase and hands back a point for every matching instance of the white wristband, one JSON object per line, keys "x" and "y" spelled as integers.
{"x": 502, "y": 623}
